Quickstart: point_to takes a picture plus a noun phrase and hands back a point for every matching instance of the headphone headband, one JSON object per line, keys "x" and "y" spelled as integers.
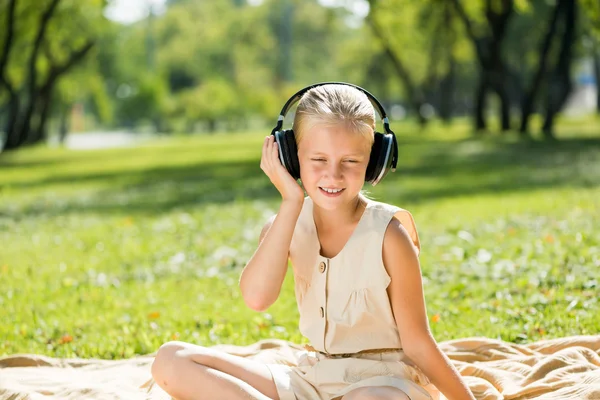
{"x": 296, "y": 97}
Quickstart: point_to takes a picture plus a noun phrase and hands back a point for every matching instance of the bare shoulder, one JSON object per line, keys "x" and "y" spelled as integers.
{"x": 398, "y": 240}
{"x": 402, "y": 228}
{"x": 400, "y": 252}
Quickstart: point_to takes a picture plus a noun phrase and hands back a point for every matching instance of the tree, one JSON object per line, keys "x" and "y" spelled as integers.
{"x": 591, "y": 21}
{"x": 560, "y": 84}
{"x": 5, "y": 82}
{"x": 534, "y": 88}
{"x": 414, "y": 93}
{"x": 596, "y": 56}
{"x": 54, "y": 52}
{"x": 488, "y": 48}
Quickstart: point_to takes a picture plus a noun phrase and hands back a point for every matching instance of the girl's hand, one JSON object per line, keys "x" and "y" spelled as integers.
{"x": 277, "y": 173}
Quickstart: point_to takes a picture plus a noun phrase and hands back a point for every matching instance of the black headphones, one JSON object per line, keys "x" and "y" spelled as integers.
{"x": 384, "y": 153}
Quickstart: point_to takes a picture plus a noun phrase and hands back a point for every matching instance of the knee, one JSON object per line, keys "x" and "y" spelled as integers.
{"x": 164, "y": 365}
{"x": 363, "y": 393}
{"x": 376, "y": 393}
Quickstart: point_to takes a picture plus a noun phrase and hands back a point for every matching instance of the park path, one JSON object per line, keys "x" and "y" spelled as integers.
{"x": 102, "y": 140}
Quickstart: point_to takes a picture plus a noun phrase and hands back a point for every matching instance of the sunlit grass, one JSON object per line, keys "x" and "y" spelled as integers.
{"x": 111, "y": 253}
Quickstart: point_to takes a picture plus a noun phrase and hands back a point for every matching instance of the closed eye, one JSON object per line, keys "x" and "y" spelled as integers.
{"x": 322, "y": 159}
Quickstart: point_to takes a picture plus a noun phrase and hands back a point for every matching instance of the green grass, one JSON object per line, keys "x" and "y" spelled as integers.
{"x": 111, "y": 253}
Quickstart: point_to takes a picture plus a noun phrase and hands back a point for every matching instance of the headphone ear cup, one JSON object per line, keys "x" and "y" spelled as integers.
{"x": 288, "y": 154}
{"x": 282, "y": 148}
{"x": 380, "y": 160}
{"x": 373, "y": 166}
{"x": 292, "y": 152}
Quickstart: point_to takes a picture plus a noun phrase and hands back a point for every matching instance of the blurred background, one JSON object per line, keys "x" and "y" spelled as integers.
{"x": 131, "y": 195}
{"x": 183, "y": 66}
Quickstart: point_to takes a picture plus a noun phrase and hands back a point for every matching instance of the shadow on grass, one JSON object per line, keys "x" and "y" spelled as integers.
{"x": 429, "y": 170}
{"x": 476, "y": 167}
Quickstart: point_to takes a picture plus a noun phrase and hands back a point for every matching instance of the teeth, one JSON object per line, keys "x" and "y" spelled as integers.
{"x": 332, "y": 190}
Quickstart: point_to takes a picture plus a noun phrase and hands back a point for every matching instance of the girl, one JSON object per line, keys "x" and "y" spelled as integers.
{"x": 356, "y": 271}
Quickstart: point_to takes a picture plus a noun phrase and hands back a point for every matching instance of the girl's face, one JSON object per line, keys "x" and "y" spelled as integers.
{"x": 332, "y": 158}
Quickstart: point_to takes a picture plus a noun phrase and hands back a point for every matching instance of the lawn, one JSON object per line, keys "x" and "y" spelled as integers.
{"x": 110, "y": 253}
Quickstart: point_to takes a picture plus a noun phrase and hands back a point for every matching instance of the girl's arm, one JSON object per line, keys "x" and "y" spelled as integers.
{"x": 408, "y": 304}
{"x": 261, "y": 279}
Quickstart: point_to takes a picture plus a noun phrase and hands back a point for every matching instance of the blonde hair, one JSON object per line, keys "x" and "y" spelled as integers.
{"x": 335, "y": 104}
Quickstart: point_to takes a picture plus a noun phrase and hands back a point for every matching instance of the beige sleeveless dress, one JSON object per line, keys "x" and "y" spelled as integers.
{"x": 344, "y": 308}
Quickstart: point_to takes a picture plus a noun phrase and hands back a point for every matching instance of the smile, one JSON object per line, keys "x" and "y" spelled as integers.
{"x": 330, "y": 191}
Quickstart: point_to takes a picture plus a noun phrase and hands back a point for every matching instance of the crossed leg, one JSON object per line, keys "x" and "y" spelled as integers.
{"x": 191, "y": 372}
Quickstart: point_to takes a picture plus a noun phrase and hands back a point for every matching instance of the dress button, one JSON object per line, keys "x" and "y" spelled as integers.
{"x": 322, "y": 312}
{"x": 322, "y": 266}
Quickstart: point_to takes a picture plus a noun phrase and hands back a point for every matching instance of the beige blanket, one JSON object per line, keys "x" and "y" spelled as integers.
{"x": 563, "y": 368}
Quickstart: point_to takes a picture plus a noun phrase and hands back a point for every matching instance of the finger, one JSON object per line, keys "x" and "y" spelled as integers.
{"x": 269, "y": 152}
{"x": 264, "y": 147}
{"x": 275, "y": 155}
{"x": 281, "y": 169}
{"x": 265, "y": 152}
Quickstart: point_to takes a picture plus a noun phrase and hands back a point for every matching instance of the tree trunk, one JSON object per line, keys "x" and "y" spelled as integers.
{"x": 499, "y": 78}
{"x": 497, "y": 82}
{"x": 529, "y": 98}
{"x": 13, "y": 99}
{"x": 8, "y": 41}
{"x": 40, "y": 133}
{"x": 516, "y": 90}
{"x": 493, "y": 73}
{"x": 560, "y": 83}
{"x": 447, "y": 90}
{"x": 480, "y": 103}
{"x": 21, "y": 126}
{"x": 502, "y": 93}
{"x": 24, "y": 124}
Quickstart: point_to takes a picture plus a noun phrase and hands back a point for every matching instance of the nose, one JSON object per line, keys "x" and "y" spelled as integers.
{"x": 335, "y": 172}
